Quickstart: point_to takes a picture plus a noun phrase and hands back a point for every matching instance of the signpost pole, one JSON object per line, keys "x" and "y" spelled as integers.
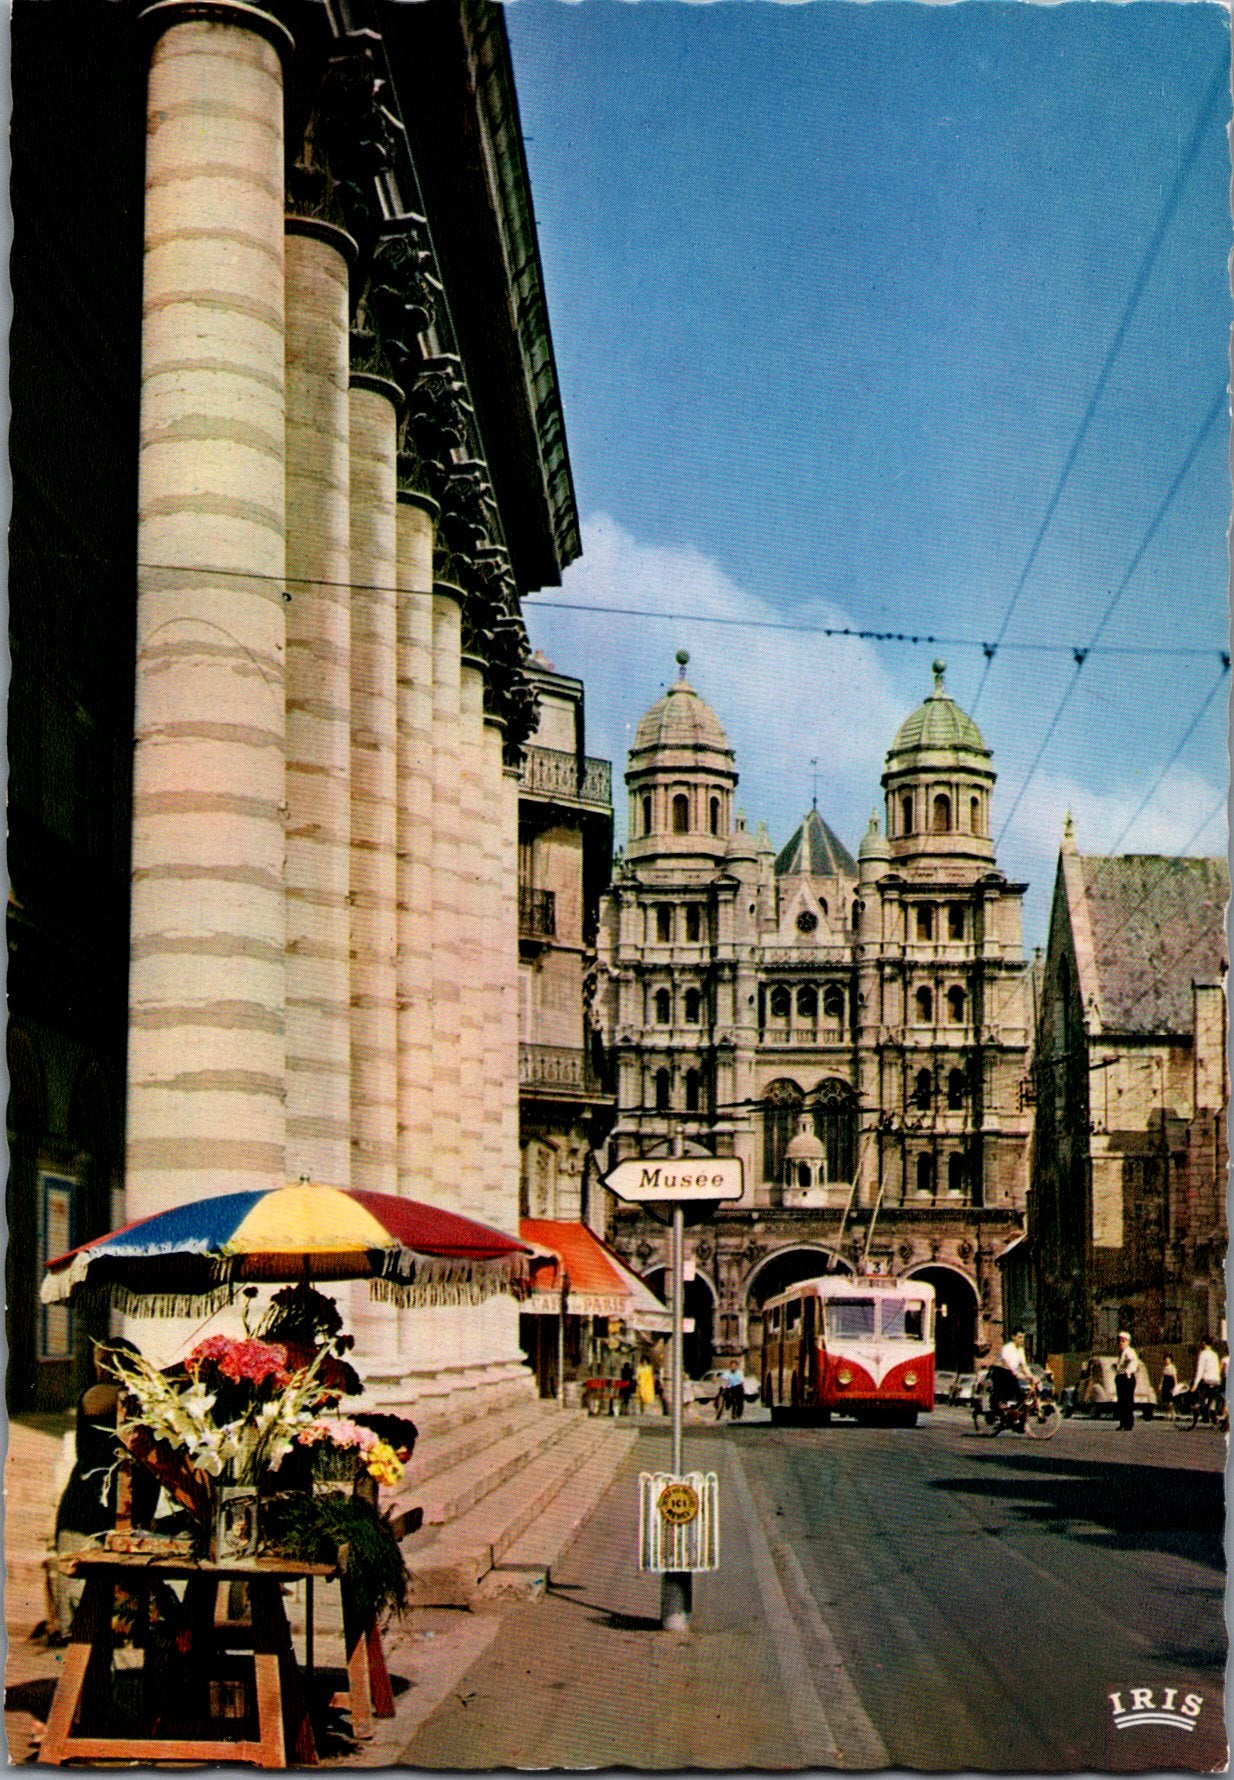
{"x": 677, "y": 1586}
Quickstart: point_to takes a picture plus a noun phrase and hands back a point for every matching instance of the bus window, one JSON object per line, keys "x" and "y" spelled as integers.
{"x": 903, "y": 1320}
{"x": 792, "y": 1315}
{"x": 850, "y": 1316}
{"x": 773, "y": 1321}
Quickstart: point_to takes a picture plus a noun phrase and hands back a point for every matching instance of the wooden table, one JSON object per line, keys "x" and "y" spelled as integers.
{"x": 85, "y": 1685}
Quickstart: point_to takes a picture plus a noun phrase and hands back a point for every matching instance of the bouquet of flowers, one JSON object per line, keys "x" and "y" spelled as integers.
{"x": 231, "y": 1411}
{"x": 341, "y": 1447}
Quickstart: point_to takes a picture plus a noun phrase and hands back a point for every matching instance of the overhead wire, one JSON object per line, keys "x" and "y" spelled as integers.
{"x": 1219, "y": 405}
{"x": 1218, "y": 85}
{"x": 1182, "y": 743}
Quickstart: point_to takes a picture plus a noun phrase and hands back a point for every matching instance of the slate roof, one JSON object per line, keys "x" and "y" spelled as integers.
{"x": 1157, "y": 926}
{"x": 816, "y": 852}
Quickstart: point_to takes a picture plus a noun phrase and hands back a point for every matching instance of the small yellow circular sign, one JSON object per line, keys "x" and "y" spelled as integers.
{"x": 678, "y": 1504}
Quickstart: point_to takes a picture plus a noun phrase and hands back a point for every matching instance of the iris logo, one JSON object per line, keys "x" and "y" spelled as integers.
{"x": 1145, "y": 1708}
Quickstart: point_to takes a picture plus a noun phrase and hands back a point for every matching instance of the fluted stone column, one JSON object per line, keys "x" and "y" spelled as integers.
{"x": 475, "y": 902}
{"x": 493, "y": 1126}
{"x": 318, "y": 704}
{"x": 416, "y": 523}
{"x": 374, "y": 785}
{"x": 206, "y": 996}
{"x": 446, "y": 951}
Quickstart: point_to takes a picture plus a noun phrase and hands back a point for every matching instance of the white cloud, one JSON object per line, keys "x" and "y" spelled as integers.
{"x": 1168, "y": 824}
{"x": 784, "y": 696}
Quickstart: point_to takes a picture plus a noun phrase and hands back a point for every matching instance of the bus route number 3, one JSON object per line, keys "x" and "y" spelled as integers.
{"x": 678, "y": 1504}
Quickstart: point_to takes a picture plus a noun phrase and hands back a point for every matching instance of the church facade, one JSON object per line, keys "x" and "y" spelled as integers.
{"x": 855, "y": 1030}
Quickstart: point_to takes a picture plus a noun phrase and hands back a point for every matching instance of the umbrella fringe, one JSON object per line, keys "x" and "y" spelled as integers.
{"x": 158, "y": 1304}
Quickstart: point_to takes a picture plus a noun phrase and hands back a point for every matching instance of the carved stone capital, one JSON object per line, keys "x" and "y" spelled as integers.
{"x": 397, "y": 302}
{"x": 344, "y": 142}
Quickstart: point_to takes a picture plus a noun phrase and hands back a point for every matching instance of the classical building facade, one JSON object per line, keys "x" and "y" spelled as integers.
{"x": 287, "y": 450}
{"x": 565, "y": 858}
{"x": 1127, "y": 1224}
{"x": 854, "y": 1029}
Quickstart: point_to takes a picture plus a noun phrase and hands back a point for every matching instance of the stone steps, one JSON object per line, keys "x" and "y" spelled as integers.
{"x": 521, "y": 1523}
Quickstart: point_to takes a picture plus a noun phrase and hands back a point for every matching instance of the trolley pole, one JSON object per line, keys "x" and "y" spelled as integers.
{"x": 677, "y": 1586}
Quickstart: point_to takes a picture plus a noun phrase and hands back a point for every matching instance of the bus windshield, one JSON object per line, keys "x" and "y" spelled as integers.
{"x": 903, "y": 1319}
{"x": 850, "y": 1316}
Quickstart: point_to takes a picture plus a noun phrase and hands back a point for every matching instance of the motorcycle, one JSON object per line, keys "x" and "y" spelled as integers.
{"x": 1030, "y": 1413}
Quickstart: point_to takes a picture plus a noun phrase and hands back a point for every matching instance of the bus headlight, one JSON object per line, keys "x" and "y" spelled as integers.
{"x": 844, "y": 1377}
{"x": 910, "y": 1378}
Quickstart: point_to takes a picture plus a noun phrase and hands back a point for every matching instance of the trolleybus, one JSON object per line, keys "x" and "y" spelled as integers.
{"x": 850, "y": 1344}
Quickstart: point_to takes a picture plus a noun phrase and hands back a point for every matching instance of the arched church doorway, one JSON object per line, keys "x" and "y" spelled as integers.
{"x": 779, "y": 1271}
{"x": 698, "y": 1344}
{"x": 955, "y": 1318}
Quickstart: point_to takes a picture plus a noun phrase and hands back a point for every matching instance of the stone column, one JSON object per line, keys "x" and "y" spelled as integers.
{"x": 494, "y": 939}
{"x": 206, "y": 994}
{"x": 475, "y": 951}
{"x": 417, "y": 516}
{"x": 446, "y": 953}
{"x": 318, "y": 703}
{"x": 374, "y": 785}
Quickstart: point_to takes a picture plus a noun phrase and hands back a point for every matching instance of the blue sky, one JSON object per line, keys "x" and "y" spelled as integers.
{"x": 898, "y": 318}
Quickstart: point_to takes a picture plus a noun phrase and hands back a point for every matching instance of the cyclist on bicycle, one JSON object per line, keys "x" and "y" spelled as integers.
{"x": 1206, "y": 1386}
{"x": 1010, "y": 1379}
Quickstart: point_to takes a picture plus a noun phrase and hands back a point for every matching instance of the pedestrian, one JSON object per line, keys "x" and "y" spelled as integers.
{"x": 625, "y": 1387}
{"x": 1169, "y": 1386}
{"x": 1125, "y": 1371}
{"x": 645, "y": 1386}
{"x": 1206, "y": 1385}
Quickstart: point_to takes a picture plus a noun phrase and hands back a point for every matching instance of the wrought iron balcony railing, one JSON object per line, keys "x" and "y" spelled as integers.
{"x": 537, "y": 913}
{"x": 557, "y": 1067}
{"x": 554, "y": 772}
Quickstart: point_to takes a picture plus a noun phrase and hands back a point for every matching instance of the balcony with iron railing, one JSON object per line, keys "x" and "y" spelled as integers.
{"x": 555, "y": 773}
{"x": 537, "y": 913}
{"x": 556, "y": 1070}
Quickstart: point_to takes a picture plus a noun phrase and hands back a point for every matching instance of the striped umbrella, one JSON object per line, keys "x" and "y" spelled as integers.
{"x": 193, "y": 1257}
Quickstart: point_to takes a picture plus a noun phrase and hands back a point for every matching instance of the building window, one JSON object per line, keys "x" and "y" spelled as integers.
{"x": 925, "y": 1175}
{"x": 694, "y": 922}
{"x": 955, "y": 1005}
{"x": 906, "y": 815}
{"x": 681, "y": 813}
{"x": 807, "y": 1003}
{"x": 923, "y": 1089}
{"x": 955, "y": 920}
{"x": 955, "y": 1175}
{"x": 780, "y": 1003}
{"x": 781, "y": 1108}
{"x": 833, "y": 1002}
{"x": 715, "y": 815}
{"x": 662, "y": 1087}
{"x": 835, "y": 1125}
{"x": 693, "y": 1090}
{"x": 925, "y": 1006}
{"x": 942, "y": 813}
{"x": 693, "y": 1007}
{"x": 925, "y": 921}
{"x": 974, "y": 814}
{"x": 664, "y": 922}
{"x": 662, "y": 1002}
{"x": 955, "y": 1090}
{"x": 857, "y": 917}
{"x": 647, "y": 815}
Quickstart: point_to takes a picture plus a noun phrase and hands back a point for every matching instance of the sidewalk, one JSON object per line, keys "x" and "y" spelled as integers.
{"x": 585, "y": 1678}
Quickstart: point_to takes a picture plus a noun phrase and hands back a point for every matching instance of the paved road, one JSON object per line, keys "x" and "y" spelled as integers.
{"x": 888, "y": 1598}
{"x": 988, "y": 1595}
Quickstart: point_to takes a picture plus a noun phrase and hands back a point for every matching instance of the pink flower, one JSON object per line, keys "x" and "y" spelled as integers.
{"x": 248, "y": 1361}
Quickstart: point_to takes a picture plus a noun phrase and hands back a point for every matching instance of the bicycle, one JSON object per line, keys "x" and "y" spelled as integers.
{"x": 1204, "y": 1406}
{"x": 1029, "y": 1414}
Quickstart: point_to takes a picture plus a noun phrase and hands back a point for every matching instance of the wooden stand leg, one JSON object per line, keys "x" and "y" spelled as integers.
{"x": 272, "y": 1643}
{"x": 379, "y": 1675}
{"x": 268, "y": 1676}
{"x": 356, "y": 1641}
{"x": 91, "y": 1628}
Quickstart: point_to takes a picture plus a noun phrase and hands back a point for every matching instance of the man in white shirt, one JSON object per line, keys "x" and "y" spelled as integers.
{"x": 1207, "y": 1381}
{"x": 1125, "y": 1370}
{"x": 1011, "y": 1376}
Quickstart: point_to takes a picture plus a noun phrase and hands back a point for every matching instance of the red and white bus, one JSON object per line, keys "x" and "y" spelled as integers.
{"x": 850, "y": 1344}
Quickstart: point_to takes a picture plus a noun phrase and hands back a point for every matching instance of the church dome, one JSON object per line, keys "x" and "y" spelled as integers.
{"x": 806, "y": 1146}
{"x": 938, "y": 724}
{"x": 681, "y": 719}
{"x": 873, "y": 843}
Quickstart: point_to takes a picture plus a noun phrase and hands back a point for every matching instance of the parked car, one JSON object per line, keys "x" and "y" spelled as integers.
{"x": 962, "y": 1391}
{"x": 944, "y": 1384}
{"x": 705, "y": 1388}
{"x": 1095, "y": 1393}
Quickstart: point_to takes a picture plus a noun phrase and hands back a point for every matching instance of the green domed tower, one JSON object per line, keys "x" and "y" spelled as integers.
{"x": 938, "y": 785}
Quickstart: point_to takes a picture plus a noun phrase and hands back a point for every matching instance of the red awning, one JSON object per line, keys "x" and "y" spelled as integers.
{"x": 600, "y": 1283}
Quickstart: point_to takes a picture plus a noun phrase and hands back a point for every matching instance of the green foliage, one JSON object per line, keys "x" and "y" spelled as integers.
{"x": 313, "y": 1527}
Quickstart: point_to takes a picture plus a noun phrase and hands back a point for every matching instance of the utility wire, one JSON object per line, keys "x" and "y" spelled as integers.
{"x": 532, "y": 604}
{"x": 1218, "y": 86}
{"x": 1186, "y": 737}
{"x": 1219, "y": 405}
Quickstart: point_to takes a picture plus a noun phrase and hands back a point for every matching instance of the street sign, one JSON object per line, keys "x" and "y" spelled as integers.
{"x": 688, "y": 1179}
